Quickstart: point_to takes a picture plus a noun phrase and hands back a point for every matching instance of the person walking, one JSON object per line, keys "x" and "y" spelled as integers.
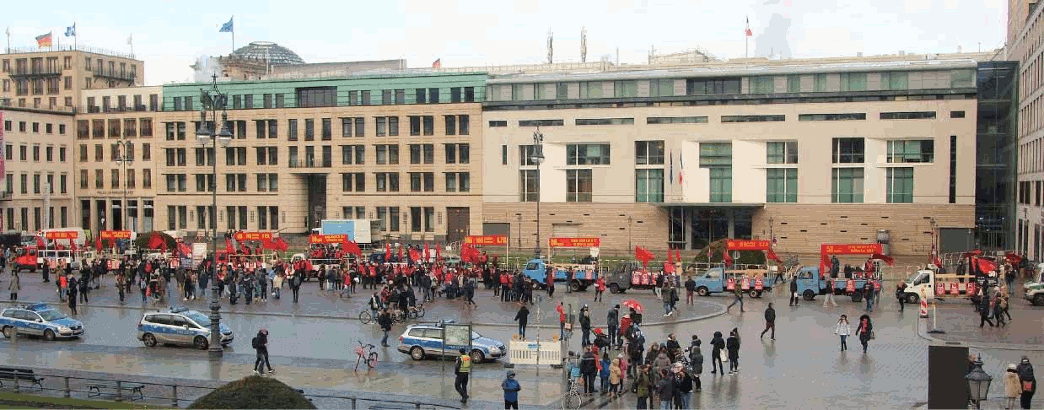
{"x": 998, "y": 308}
{"x": 900, "y": 293}
{"x": 73, "y": 290}
{"x": 561, "y": 320}
{"x": 672, "y": 297}
{"x": 643, "y": 386}
{"x": 385, "y": 322}
{"x": 15, "y": 285}
{"x": 868, "y": 295}
{"x": 984, "y": 309}
{"x": 843, "y": 330}
{"x": 733, "y": 346}
{"x": 522, "y": 317}
{"x": 770, "y": 321}
{"x": 511, "y": 388}
{"x": 737, "y": 292}
{"x": 865, "y": 331}
{"x": 462, "y": 370}
{"x": 585, "y": 326}
{"x": 828, "y": 298}
{"x": 1029, "y": 383}
{"x": 1012, "y": 387}
{"x": 612, "y": 322}
{"x": 793, "y": 293}
{"x": 260, "y": 345}
{"x": 717, "y": 344}
{"x": 599, "y": 289}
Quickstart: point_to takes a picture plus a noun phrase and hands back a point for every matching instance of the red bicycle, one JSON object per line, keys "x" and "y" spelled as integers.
{"x": 365, "y": 353}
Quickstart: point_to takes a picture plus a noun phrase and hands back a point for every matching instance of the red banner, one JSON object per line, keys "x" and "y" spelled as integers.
{"x": 61, "y": 235}
{"x": 851, "y": 249}
{"x": 759, "y": 285}
{"x": 574, "y": 242}
{"x": 748, "y": 245}
{"x": 115, "y": 234}
{"x": 253, "y": 236}
{"x": 486, "y": 240}
{"x": 969, "y": 290}
{"x": 317, "y": 239}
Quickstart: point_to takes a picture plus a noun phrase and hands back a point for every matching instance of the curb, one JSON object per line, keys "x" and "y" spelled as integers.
{"x": 922, "y": 332}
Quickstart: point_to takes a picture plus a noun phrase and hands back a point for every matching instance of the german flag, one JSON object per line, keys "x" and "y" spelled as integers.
{"x": 43, "y": 40}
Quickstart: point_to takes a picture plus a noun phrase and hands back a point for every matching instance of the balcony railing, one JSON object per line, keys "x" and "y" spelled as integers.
{"x": 36, "y": 72}
{"x": 310, "y": 163}
{"x": 116, "y": 74}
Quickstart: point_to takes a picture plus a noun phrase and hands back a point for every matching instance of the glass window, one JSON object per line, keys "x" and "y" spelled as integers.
{"x": 663, "y": 87}
{"x": 781, "y": 185}
{"x": 677, "y": 120}
{"x": 648, "y": 152}
{"x": 962, "y": 78}
{"x": 782, "y": 152}
{"x": 715, "y": 154}
{"x": 900, "y": 185}
{"x": 587, "y": 154}
{"x": 820, "y": 83}
{"x": 847, "y": 151}
{"x": 793, "y": 83}
{"x": 578, "y": 185}
{"x": 591, "y": 89}
{"x": 763, "y": 85}
{"x": 648, "y": 185}
{"x": 853, "y": 82}
{"x": 911, "y": 151}
{"x": 721, "y": 184}
{"x": 895, "y": 80}
{"x": 846, "y": 185}
{"x": 626, "y": 88}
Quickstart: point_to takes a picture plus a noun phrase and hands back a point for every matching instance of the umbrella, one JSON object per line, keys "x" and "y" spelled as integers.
{"x": 633, "y": 304}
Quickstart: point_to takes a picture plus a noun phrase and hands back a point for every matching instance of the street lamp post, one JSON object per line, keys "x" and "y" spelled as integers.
{"x": 124, "y": 157}
{"x": 537, "y": 157}
{"x": 978, "y": 383}
{"x": 213, "y": 100}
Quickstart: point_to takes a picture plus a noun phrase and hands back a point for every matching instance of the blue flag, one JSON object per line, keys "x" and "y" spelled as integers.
{"x": 70, "y": 31}
{"x": 227, "y": 27}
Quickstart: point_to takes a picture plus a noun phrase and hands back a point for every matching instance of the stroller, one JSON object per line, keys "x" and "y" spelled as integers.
{"x": 601, "y": 339}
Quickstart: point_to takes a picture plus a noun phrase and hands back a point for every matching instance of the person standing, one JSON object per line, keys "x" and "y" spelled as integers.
{"x": 998, "y": 308}
{"x": 588, "y": 369}
{"x": 462, "y": 371}
{"x": 737, "y": 292}
{"x": 1029, "y": 383}
{"x": 612, "y": 322}
{"x": 665, "y": 389}
{"x": 696, "y": 361}
{"x": 599, "y": 289}
{"x": 585, "y": 326}
{"x": 522, "y": 317}
{"x": 15, "y": 285}
{"x": 868, "y": 295}
{"x": 682, "y": 387}
{"x": 770, "y": 321}
{"x": 690, "y": 289}
{"x": 46, "y": 271}
{"x": 511, "y": 389}
{"x": 385, "y": 322}
{"x": 900, "y": 291}
{"x": 615, "y": 378}
{"x": 643, "y": 386}
{"x": 1012, "y": 387}
{"x": 85, "y": 286}
{"x": 843, "y": 330}
{"x": 865, "y": 331}
{"x": 561, "y": 320}
{"x": 73, "y": 288}
{"x": 718, "y": 344}
{"x": 733, "y": 346}
{"x": 794, "y": 293}
{"x": 121, "y": 282}
{"x": 295, "y": 284}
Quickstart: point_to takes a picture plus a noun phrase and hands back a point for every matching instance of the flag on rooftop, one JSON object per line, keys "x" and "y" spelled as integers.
{"x": 227, "y": 27}
{"x": 43, "y": 40}
{"x": 70, "y": 31}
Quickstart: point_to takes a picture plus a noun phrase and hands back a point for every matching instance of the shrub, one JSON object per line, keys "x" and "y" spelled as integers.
{"x": 253, "y": 392}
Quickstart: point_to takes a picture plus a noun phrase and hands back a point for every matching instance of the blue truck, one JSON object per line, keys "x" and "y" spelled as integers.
{"x": 715, "y": 280}
{"x": 810, "y": 284}
{"x": 584, "y": 275}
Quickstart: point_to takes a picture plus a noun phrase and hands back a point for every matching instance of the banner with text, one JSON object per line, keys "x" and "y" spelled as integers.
{"x": 61, "y": 235}
{"x": 574, "y": 242}
{"x": 851, "y": 249}
{"x": 748, "y": 245}
{"x": 107, "y": 235}
{"x": 486, "y": 240}
{"x": 317, "y": 239}
{"x": 253, "y": 236}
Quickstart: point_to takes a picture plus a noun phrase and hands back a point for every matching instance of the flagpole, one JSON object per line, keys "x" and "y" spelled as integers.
{"x": 233, "y": 19}
{"x": 75, "y": 36}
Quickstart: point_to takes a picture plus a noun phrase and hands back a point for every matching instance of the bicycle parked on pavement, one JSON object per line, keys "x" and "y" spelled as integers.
{"x": 365, "y": 353}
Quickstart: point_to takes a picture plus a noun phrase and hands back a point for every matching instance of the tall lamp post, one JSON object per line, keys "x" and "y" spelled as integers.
{"x": 124, "y": 157}
{"x": 537, "y": 157}
{"x": 209, "y": 135}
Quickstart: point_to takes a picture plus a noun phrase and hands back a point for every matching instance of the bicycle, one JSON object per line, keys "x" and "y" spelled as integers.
{"x": 366, "y": 317}
{"x": 369, "y": 355}
{"x": 573, "y": 399}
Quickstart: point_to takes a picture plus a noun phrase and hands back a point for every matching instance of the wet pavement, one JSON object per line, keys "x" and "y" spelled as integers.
{"x": 312, "y": 346}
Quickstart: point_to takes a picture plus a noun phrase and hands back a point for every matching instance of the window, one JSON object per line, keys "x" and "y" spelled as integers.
{"x": 820, "y": 84}
{"x": 793, "y": 83}
{"x": 677, "y": 120}
{"x": 541, "y": 123}
{"x": 591, "y": 89}
{"x": 911, "y": 151}
{"x": 458, "y": 182}
{"x": 625, "y": 88}
{"x": 781, "y": 185}
{"x": 702, "y": 86}
{"x": 469, "y": 94}
{"x": 752, "y": 118}
{"x": 279, "y": 101}
{"x": 847, "y": 151}
{"x": 497, "y": 124}
{"x": 309, "y": 134}
{"x": 587, "y": 154}
{"x": 260, "y": 127}
{"x": 386, "y": 97}
{"x": 433, "y": 96}
{"x": 266, "y": 100}
{"x": 832, "y": 117}
{"x": 853, "y": 81}
{"x": 327, "y": 129}
{"x": 529, "y": 185}
{"x": 962, "y": 78}
{"x": 900, "y": 185}
{"x": 393, "y": 126}
{"x": 895, "y": 80}
{"x": 146, "y": 152}
{"x": 382, "y": 126}
{"x": 316, "y": 97}
{"x": 387, "y": 154}
{"x": 422, "y": 95}
{"x": 648, "y": 152}
{"x": 908, "y": 115}
{"x": 360, "y": 127}
{"x": 762, "y": 85}
{"x": 387, "y": 181}
{"x": 956, "y": 114}
{"x": 783, "y": 152}
{"x": 400, "y": 96}
{"x": 429, "y": 125}
{"x": 846, "y": 185}
{"x": 353, "y": 182}
{"x": 604, "y": 121}
{"x": 648, "y": 185}
{"x": 663, "y": 87}
{"x": 146, "y": 178}
{"x": 503, "y": 154}
{"x": 718, "y": 158}
{"x": 578, "y": 185}
{"x": 415, "y": 125}
{"x": 451, "y": 125}
{"x": 527, "y": 155}
{"x": 422, "y": 181}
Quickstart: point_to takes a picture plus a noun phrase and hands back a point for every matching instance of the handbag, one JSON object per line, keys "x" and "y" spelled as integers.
{"x": 1027, "y": 386}
{"x": 873, "y": 335}
{"x": 723, "y": 355}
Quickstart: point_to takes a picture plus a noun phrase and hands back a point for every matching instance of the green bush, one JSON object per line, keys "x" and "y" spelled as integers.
{"x": 142, "y": 241}
{"x": 253, "y": 392}
{"x": 718, "y": 247}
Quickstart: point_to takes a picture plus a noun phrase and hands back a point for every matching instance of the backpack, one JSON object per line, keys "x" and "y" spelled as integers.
{"x": 255, "y": 343}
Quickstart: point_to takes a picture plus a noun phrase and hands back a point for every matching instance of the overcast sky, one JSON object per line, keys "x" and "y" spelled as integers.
{"x": 170, "y": 35}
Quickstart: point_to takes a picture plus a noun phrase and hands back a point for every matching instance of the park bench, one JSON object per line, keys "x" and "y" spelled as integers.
{"x": 16, "y": 374}
{"x": 117, "y": 389}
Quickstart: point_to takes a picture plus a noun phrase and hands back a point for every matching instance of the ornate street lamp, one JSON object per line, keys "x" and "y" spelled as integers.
{"x": 537, "y": 157}
{"x": 213, "y": 100}
{"x": 978, "y": 383}
{"x": 124, "y": 157}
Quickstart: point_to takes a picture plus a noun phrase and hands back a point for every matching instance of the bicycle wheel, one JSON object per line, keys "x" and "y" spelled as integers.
{"x": 372, "y": 360}
{"x": 572, "y": 401}
{"x": 365, "y": 317}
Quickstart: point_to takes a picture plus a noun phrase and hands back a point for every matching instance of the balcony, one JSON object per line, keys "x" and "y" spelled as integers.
{"x": 36, "y": 72}
{"x": 5, "y": 196}
{"x": 310, "y": 163}
{"x": 116, "y": 74}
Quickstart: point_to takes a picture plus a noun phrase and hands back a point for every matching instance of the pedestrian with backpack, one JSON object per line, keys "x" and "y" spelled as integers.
{"x": 260, "y": 345}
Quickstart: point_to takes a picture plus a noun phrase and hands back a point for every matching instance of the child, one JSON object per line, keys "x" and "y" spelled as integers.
{"x": 615, "y": 379}
{"x": 603, "y": 373}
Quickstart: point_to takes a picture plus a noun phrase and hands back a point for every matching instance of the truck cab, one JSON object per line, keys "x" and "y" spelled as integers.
{"x": 584, "y": 275}
{"x": 926, "y": 283}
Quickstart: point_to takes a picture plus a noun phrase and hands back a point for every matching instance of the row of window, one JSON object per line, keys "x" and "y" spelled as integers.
{"x": 385, "y": 154}
{"x": 37, "y": 223}
{"x": 266, "y": 217}
{"x": 115, "y": 153}
{"x": 421, "y": 218}
{"x": 350, "y": 127}
{"x": 38, "y": 183}
{"x": 138, "y": 104}
{"x": 127, "y": 127}
{"x": 23, "y": 153}
{"x": 419, "y": 181}
{"x": 330, "y": 96}
{"x": 114, "y": 179}
{"x": 899, "y": 115}
{"x": 24, "y": 127}
{"x": 52, "y": 103}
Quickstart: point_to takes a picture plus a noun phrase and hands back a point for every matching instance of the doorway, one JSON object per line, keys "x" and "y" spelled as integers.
{"x": 458, "y": 224}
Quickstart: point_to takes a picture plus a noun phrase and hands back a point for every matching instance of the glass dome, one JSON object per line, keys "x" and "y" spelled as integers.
{"x": 274, "y": 53}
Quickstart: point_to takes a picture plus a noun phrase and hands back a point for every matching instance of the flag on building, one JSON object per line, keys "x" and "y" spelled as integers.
{"x": 670, "y": 179}
{"x": 227, "y": 27}
{"x": 681, "y": 167}
{"x": 437, "y": 63}
{"x": 43, "y": 40}
{"x": 130, "y": 40}
{"x": 70, "y": 31}
{"x": 745, "y": 31}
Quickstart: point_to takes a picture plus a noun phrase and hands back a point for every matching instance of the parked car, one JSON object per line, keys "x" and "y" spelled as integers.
{"x": 38, "y": 319}
{"x": 425, "y": 340}
{"x": 179, "y": 326}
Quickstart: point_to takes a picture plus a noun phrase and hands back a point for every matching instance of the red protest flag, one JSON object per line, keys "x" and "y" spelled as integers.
{"x": 415, "y": 255}
{"x": 726, "y": 258}
{"x": 427, "y": 255}
{"x": 438, "y": 252}
{"x": 155, "y": 241}
{"x": 97, "y": 244}
{"x": 228, "y": 247}
{"x": 351, "y": 247}
{"x": 677, "y": 255}
{"x": 73, "y": 244}
{"x": 387, "y": 252}
{"x": 400, "y": 253}
{"x": 643, "y": 255}
{"x": 670, "y": 257}
{"x": 163, "y": 246}
{"x": 281, "y": 244}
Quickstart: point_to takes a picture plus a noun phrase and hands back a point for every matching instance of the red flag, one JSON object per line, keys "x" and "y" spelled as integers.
{"x": 228, "y": 247}
{"x": 72, "y": 243}
{"x": 400, "y": 253}
{"x": 415, "y": 255}
{"x": 155, "y": 241}
{"x": 163, "y": 246}
{"x": 887, "y": 259}
{"x": 436, "y": 64}
{"x": 387, "y": 252}
{"x": 670, "y": 257}
{"x": 643, "y": 255}
{"x": 725, "y": 257}
{"x": 281, "y": 244}
{"x": 267, "y": 244}
{"x": 771, "y": 255}
{"x": 97, "y": 244}
{"x": 438, "y": 252}
{"x": 677, "y": 255}
{"x": 747, "y": 30}
{"x": 668, "y": 267}
{"x": 40, "y": 243}
{"x": 184, "y": 249}
{"x": 351, "y": 247}
{"x": 427, "y": 255}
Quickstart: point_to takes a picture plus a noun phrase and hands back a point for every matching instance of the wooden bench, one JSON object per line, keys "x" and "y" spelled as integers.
{"x": 95, "y": 390}
{"x": 16, "y": 374}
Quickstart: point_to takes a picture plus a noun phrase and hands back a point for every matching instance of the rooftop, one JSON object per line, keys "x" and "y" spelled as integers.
{"x": 68, "y": 48}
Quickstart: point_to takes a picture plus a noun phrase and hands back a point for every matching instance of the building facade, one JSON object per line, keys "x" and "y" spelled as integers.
{"x": 38, "y": 169}
{"x": 805, "y": 154}
{"x": 1026, "y": 45}
{"x": 53, "y": 79}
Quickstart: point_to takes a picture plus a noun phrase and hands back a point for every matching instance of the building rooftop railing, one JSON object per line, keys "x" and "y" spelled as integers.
{"x": 86, "y": 49}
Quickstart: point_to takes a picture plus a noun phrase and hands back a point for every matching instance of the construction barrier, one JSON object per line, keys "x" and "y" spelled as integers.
{"x": 924, "y": 308}
{"x": 528, "y": 352}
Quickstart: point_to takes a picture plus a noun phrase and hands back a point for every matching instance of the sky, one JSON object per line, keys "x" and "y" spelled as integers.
{"x": 170, "y": 35}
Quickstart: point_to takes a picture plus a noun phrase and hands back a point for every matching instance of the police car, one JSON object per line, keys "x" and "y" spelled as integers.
{"x": 179, "y": 326}
{"x": 425, "y": 340}
{"x": 38, "y": 319}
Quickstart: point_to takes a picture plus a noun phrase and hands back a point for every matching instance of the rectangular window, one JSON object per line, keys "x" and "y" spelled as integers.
{"x": 393, "y": 126}
{"x": 346, "y": 127}
{"x": 853, "y": 81}
{"x": 469, "y": 94}
{"x": 895, "y": 80}
{"x": 451, "y": 182}
{"x": 451, "y": 124}
{"x": 266, "y": 100}
{"x": 956, "y": 114}
{"x": 781, "y": 185}
{"x": 908, "y": 115}
{"x": 386, "y": 97}
{"x": 579, "y": 185}
{"x": 382, "y": 126}
{"x": 541, "y": 123}
{"x": 248, "y": 101}
{"x": 648, "y": 152}
{"x": 400, "y": 96}
{"x": 752, "y": 118}
{"x": 587, "y": 154}
{"x": 793, "y": 83}
{"x": 782, "y": 152}
{"x": 832, "y": 117}
{"x": 433, "y": 96}
{"x": 625, "y": 88}
{"x": 327, "y": 129}
{"x": 702, "y": 119}
{"x": 315, "y": 97}
{"x": 591, "y": 89}
{"x": 416, "y": 219}
{"x": 273, "y": 129}
{"x": 663, "y": 87}
{"x": 497, "y": 124}
{"x": 429, "y": 125}
{"x": 365, "y": 97}
{"x": 455, "y": 94}
{"x": 415, "y": 125}
{"x": 820, "y": 83}
{"x": 705, "y": 86}
{"x": 260, "y": 126}
{"x": 604, "y": 121}
{"x": 847, "y": 151}
{"x": 360, "y": 127}
{"x": 464, "y": 124}
{"x": 309, "y": 134}
{"x": 762, "y": 85}
{"x": 291, "y": 130}
{"x": 846, "y": 185}
{"x": 279, "y": 101}
{"x": 422, "y": 95}
{"x": 900, "y": 185}
{"x": 911, "y": 151}
{"x": 718, "y": 158}
{"x": 648, "y": 185}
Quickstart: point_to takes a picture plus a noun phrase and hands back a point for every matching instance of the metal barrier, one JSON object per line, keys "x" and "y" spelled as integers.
{"x": 544, "y": 353}
{"x": 112, "y": 387}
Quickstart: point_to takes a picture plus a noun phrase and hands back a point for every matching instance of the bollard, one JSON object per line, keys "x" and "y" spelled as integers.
{"x": 14, "y": 375}
{"x": 174, "y": 395}
{"x": 353, "y": 403}
{"x": 65, "y": 384}
{"x": 119, "y": 390}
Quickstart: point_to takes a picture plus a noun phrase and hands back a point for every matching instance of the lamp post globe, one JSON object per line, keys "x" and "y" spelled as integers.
{"x": 978, "y": 383}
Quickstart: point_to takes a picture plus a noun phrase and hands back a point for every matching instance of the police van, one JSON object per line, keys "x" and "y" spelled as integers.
{"x": 179, "y": 326}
